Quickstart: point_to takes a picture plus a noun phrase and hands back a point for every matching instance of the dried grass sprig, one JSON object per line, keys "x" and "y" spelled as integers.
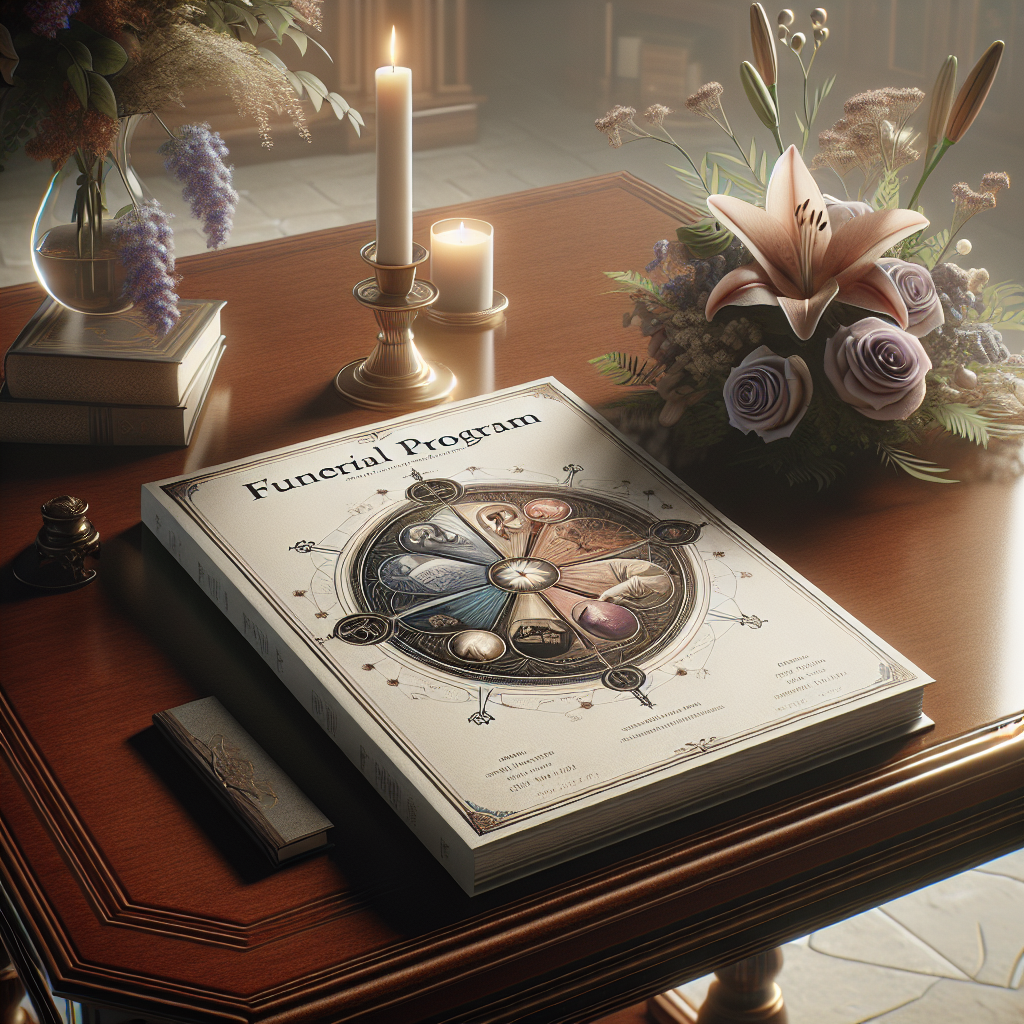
{"x": 177, "y": 56}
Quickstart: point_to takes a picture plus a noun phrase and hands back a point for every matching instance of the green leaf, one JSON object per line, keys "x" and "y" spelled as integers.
{"x": 713, "y": 187}
{"x": 299, "y": 88}
{"x": 83, "y": 58}
{"x": 752, "y": 156}
{"x": 101, "y": 96}
{"x": 124, "y": 209}
{"x": 920, "y": 469}
{"x": 272, "y": 57}
{"x": 962, "y": 420}
{"x": 762, "y": 171}
{"x": 299, "y": 38}
{"x": 625, "y": 369}
{"x": 76, "y": 76}
{"x": 313, "y": 84}
{"x": 799, "y": 122}
{"x": 338, "y": 104}
{"x": 704, "y": 239}
{"x": 108, "y": 57}
{"x": 635, "y": 281}
{"x": 275, "y": 18}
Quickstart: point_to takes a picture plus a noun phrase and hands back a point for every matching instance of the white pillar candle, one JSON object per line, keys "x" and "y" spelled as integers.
{"x": 462, "y": 265}
{"x": 394, "y": 163}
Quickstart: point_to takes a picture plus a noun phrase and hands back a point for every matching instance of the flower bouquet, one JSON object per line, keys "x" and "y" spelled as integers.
{"x": 797, "y": 331}
{"x": 77, "y": 77}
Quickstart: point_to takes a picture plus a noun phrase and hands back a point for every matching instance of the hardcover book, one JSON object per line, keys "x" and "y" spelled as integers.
{"x": 530, "y": 637}
{"x": 66, "y": 356}
{"x": 281, "y": 819}
{"x": 39, "y": 422}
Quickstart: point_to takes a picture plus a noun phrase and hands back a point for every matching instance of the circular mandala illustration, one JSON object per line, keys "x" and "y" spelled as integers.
{"x": 523, "y": 585}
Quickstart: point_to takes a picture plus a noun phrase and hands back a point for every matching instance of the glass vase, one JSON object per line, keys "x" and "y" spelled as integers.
{"x": 73, "y": 251}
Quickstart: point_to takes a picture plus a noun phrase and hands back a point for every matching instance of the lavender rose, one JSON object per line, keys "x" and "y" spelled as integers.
{"x": 839, "y": 212}
{"x": 877, "y": 368}
{"x": 915, "y": 285}
{"x": 768, "y": 394}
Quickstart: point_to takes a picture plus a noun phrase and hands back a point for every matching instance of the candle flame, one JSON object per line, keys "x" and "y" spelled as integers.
{"x": 392, "y": 47}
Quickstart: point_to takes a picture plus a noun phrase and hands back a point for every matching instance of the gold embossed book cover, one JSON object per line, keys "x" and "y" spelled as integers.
{"x": 530, "y": 637}
{"x": 65, "y": 356}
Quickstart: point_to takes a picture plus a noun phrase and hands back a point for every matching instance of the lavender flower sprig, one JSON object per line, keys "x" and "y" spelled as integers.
{"x": 196, "y": 158}
{"x": 49, "y": 17}
{"x": 145, "y": 244}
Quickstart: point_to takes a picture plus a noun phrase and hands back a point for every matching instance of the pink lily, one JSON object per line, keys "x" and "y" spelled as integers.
{"x": 801, "y": 264}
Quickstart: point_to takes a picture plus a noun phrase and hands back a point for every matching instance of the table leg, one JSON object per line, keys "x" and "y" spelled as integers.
{"x": 743, "y": 992}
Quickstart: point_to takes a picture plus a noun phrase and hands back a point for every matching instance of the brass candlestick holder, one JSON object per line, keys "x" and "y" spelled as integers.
{"x": 394, "y": 374}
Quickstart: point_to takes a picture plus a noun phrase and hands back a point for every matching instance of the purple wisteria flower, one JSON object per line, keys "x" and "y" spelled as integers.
{"x": 145, "y": 244}
{"x": 49, "y": 17}
{"x": 196, "y": 158}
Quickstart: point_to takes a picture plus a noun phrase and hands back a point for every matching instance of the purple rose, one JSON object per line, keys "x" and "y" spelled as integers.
{"x": 768, "y": 394}
{"x": 877, "y": 368}
{"x": 916, "y": 287}
{"x": 839, "y": 212}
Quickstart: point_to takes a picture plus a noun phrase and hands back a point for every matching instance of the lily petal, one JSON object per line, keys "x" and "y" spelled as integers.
{"x": 792, "y": 186}
{"x": 861, "y": 240}
{"x": 766, "y": 238}
{"x": 803, "y": 314}
{"x": 875, "y": 290}
{"x": 745, "y": 286}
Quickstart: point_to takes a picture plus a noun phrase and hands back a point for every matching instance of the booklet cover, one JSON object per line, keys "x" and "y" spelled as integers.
{"x": 511, "y": 619}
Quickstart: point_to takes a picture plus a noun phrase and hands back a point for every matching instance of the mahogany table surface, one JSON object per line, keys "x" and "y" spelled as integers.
{"x": 137, "y": 893}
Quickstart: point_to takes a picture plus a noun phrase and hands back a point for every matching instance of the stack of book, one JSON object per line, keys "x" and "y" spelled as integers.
{"x": 77, "y": 379}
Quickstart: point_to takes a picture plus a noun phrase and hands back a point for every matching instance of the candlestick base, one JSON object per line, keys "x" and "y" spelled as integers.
{"x": 394, "y": 374}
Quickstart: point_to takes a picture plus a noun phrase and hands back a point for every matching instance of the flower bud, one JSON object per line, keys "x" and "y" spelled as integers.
{"x": 759, "y": 96}
{"x": 942, "y": 100}
{"x": 964, "y": 246}
{"x": 819, "y": 16}
{"x": 783, "y": 34}
{"x": 972, "y": 96}
{"x": 796, "y": 44}
{"x": 763, "y": 45}
{"x": 820, "y": 35}
{"x": 786, "y": 17}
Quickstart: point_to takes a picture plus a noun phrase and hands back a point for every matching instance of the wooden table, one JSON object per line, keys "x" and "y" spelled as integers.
{"x": 137, "y": 894}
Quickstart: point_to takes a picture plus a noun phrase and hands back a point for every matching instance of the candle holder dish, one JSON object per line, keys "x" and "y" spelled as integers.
{"x": 499, "y": 304}
{"x": 394, "y": 374}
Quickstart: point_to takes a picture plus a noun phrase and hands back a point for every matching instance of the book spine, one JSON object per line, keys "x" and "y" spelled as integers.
{"x": 221, "y": 582}
{"x": 78, "y": 379}
{"x": 56, "y": 423}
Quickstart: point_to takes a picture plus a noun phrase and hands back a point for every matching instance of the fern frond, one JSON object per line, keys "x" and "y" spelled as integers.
{"x": 963, "y": 420}
{"x": 626, "y": 369}
{"x": 920, "y": 469}
{"x": 635, "y": 282}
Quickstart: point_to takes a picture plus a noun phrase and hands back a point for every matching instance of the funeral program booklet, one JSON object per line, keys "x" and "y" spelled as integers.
{"x": 530, "y": 637}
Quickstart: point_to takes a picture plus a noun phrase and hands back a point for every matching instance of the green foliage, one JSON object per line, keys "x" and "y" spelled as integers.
{"x": 962, "y": 420}
{"x": 887, "y": 195}
{"x": 924, "y": 250}
{"x": 705, "y": 239}
{"x": 634, "y": 282}
{"x": 920, "y": 469}
{"x": 728, "y": 172}
{"x": 625, "y": 369}
{"x": 1004, "y": 306}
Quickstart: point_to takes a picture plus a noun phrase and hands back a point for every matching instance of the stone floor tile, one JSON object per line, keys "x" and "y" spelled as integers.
{"x": 975, "y": 920}
{"x": 333, "y": 163}
{"x": 428, "y": 193}
{"x": 949, "y": 1001}
{"x": 345, "y": 191}
{"x": 444, "y": 163}
{"x": 304, "y": 222}
{"x": 271, "y": 174}
{"x": 190, "y": 240}
{"x": 875, "y": 938}
{"x": 486, "y": 183}
{"x": 821, "y": 989}
{"x": 1012, "y": 866}
{"x": 289, "y": 199}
